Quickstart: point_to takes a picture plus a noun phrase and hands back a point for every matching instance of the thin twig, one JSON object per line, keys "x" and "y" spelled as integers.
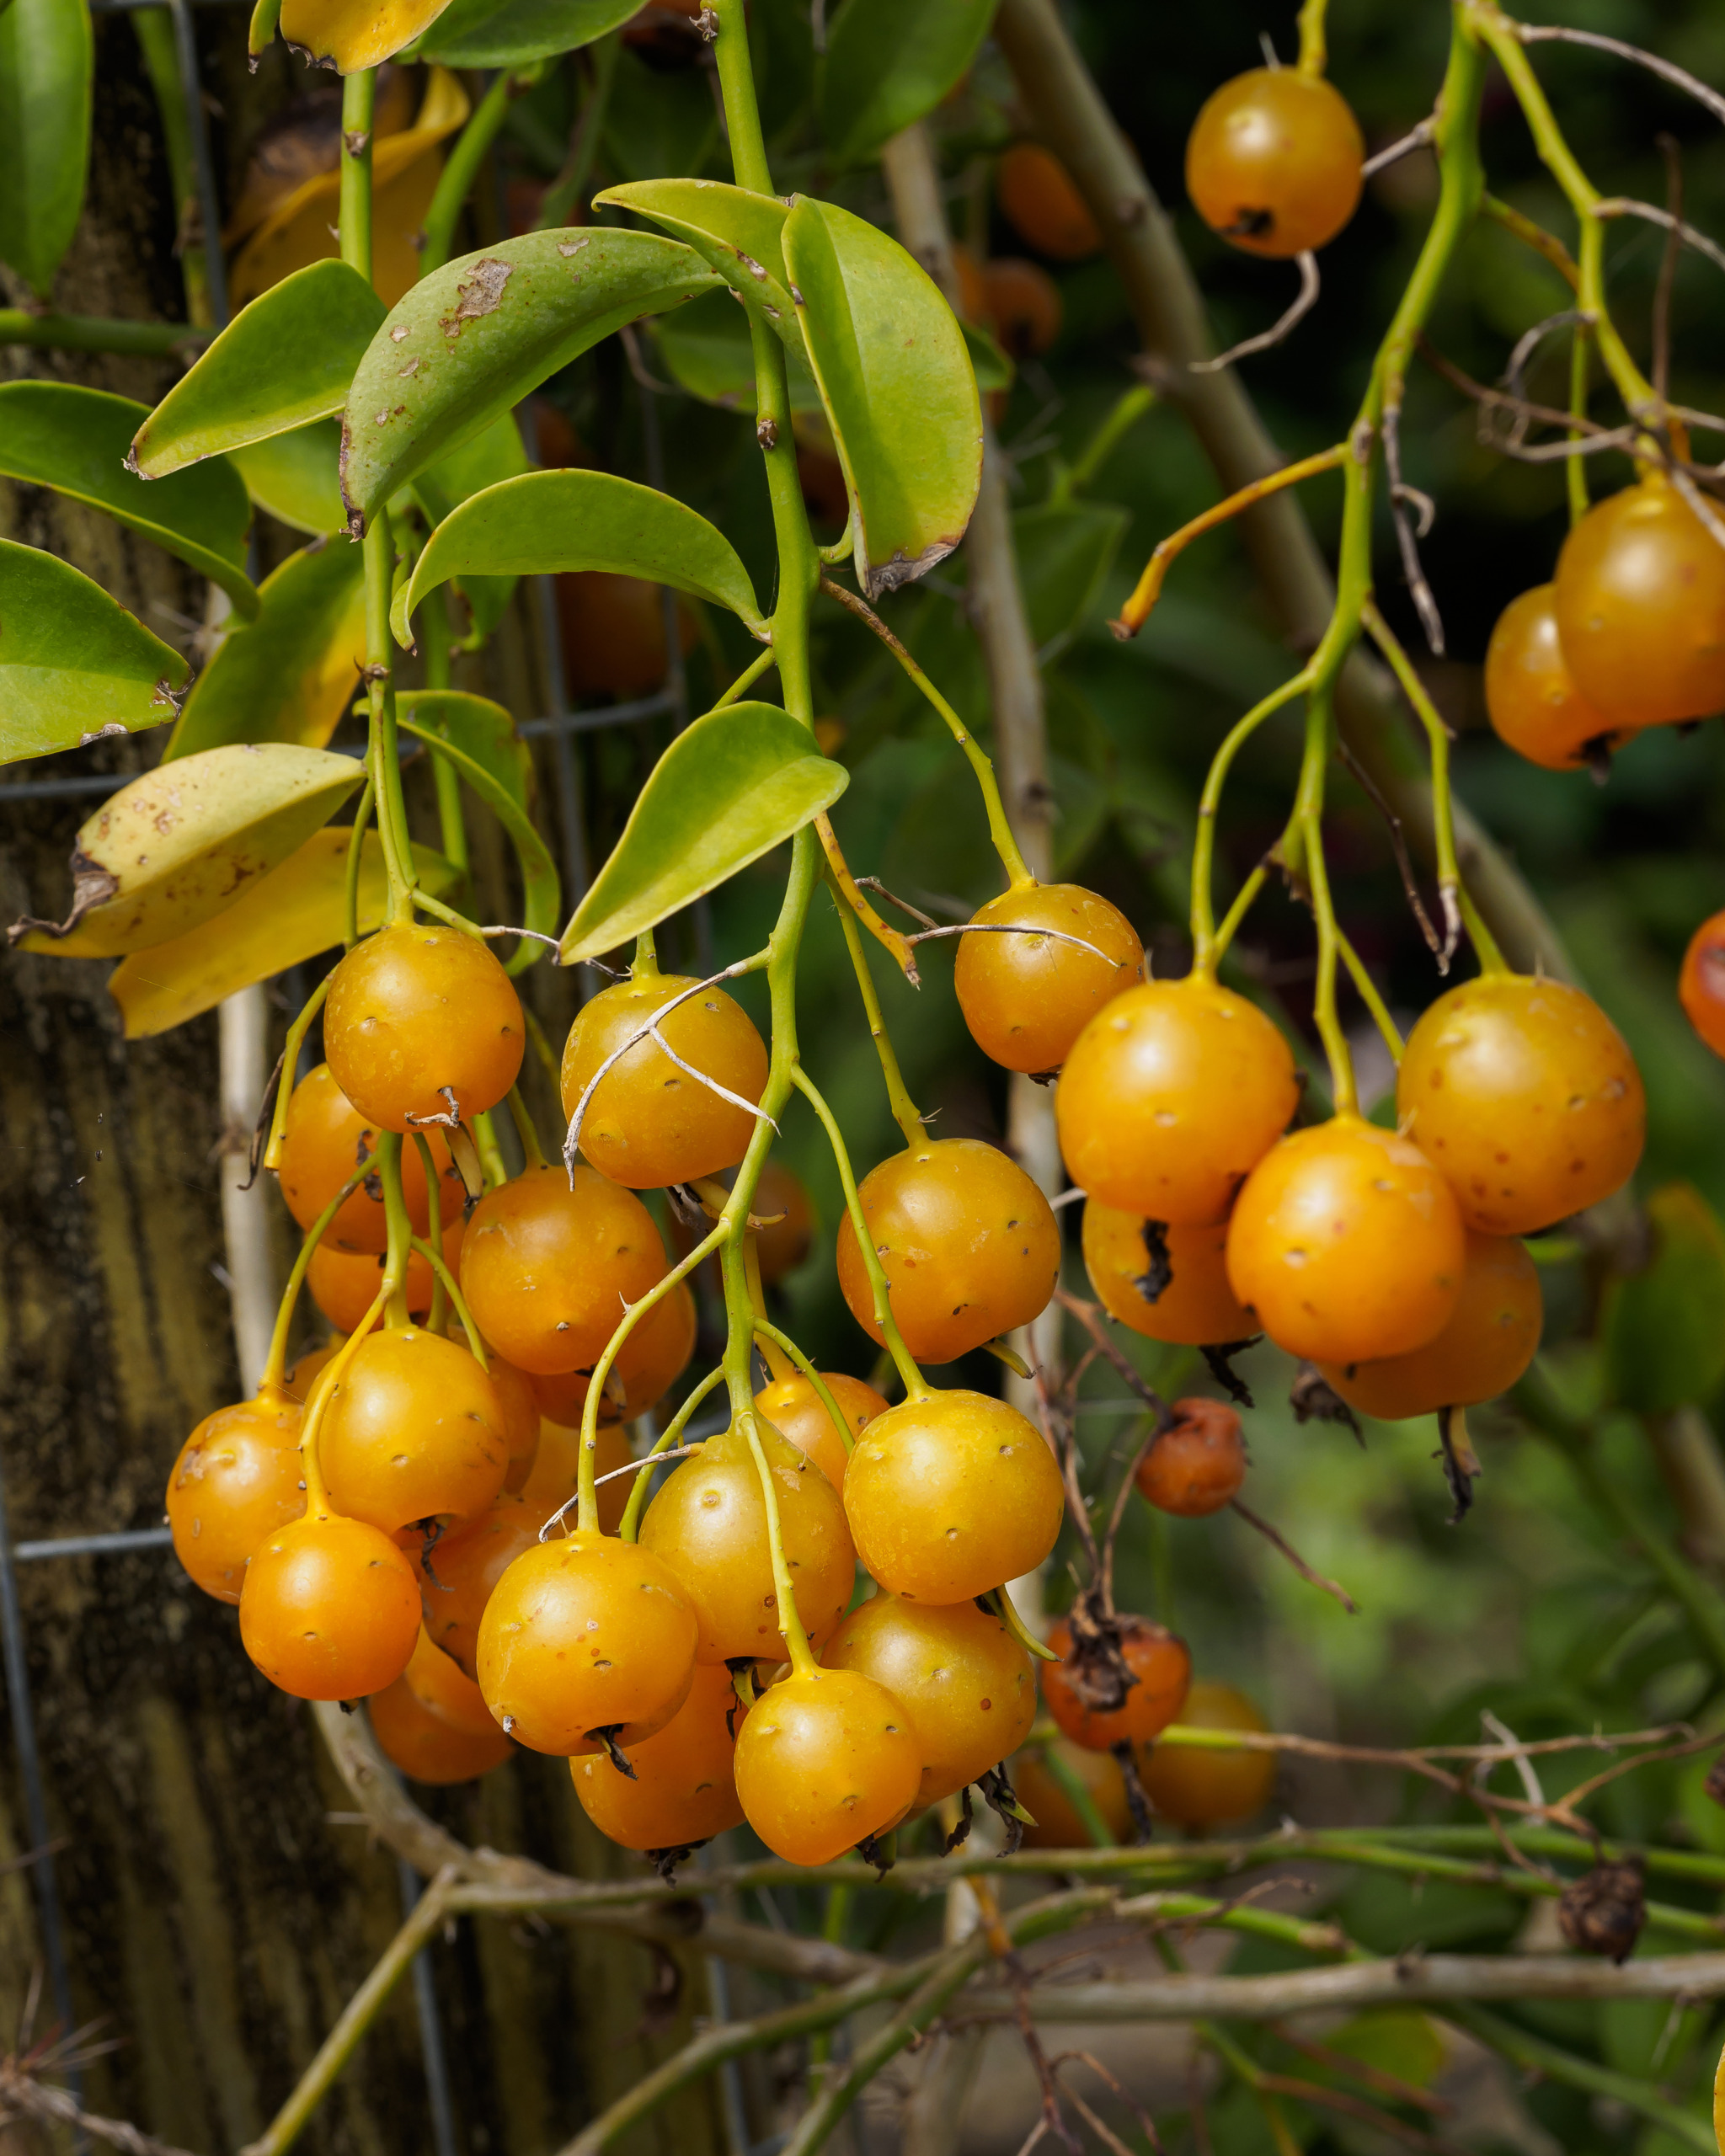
{"x": 1547, "y": 33}
{"x": 1278, "y": 330}
{"x": 1399, "y": 842}
{"x": 1305, "y": 1572}
{"x": 1668, "y": 264}
{"x": 1406, "y": 539}
{"x": 1624, "y": 205}
{"x": 1416, "y": 138}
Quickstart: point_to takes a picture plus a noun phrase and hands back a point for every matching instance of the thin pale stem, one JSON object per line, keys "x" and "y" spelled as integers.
{"x": 904, "y": 1108}
{"x": 437, "y": 1319}
{"x": 630, "y": 1526}
{"x": 355, "y": 861}
{"x": 889, "y": 939}
{"x": 275, "y": 1363}
{"x": 747, "y": 679}
{"x": 1206, "y": 948}
{"x": 290, "y": 1065}
{"x": 765, "y": 1329}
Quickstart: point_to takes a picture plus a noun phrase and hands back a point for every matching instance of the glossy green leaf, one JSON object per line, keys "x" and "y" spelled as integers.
{"x": 509, "y": 32}
{"x": 290, "y": 675}
{"x": 551, "y": 521}
{"x": 540, "y": 887}
{"x": 47, "y": 61}
{"x": 73, "y": 662}
{"x": 284, "y": 360}
{"x": 889, "y": 62}
{"x": 658, "y": 124}
{"x": 1065, "y": 550}
{"x": 480, "y": 729}
{"x": 1663, "y": 1333}
{"x": 739, "y": 233}
{"x": 496, "y": 455}
{"x": 285, "y": 918}
{"x": 296, "y": 477}
{"x": 53, "y": 434}
{"x": 729, "y": 788}
{"x": 470, "y": 341}
{"x": 899, "y": 392}
{"x": 706, "y": 349}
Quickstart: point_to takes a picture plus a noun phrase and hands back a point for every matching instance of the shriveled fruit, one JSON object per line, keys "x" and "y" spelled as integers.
{"x": 236, "y": 1479}
{"x": 708, "y": 1523}
{"x": 1194, "y": 1308}
{"x": 1640, "y": 601}
{"x": 950, "y": 1495}
{"x": 1073, "y": 1686}
{"x": 1058, "y": 1824}
{"x": 421, "y": 1022}
{"x": 964, "y": 1681}
{"x": 823, "y": 1762}
{"x": 1531, "y": 697}
{"x": 1026, "y": 998}
{"x": 544, "y": 1265}
{"x": 1196, "y": 1787}
{"x": 783, "y": 1244}
{"x": 793, "y": 1408}
{"x": 425, "y": 1747}
{"x": 968, "y": 1243}
{"x": 329, "y": 1609}
{"x": 1038, "y": 198}
{"x": 1487, "y": 1344}
{"x": 1197, "y": 1467}
{"x": 325, "y": 1139}
{"x": 584, "y": 1640}
{"x": 414, "y": 1431}
{"x": 1346, "y": 1244}
{"x": 460, "y": 1570}
{"x": 557, "y": 1468}
{"x": 648, "y": 1123}
{"x": 1700, "y": 986}
{"x": 1170, "y": 1097}
{"x": 685, "y": 1788}
{"x": 344, "y": 1284}
{"x": 650, "y": 1361}
{"x": 1273, "y": 162}
{"x": 1525, "y": 1096}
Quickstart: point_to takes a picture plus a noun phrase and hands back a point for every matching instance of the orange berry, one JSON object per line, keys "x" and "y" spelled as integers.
{"x": 546, "y": 1268}
{"x": 650, "y": 1361}
{"x": 444, "y": 1688}
{"x": 649, "y": 1123}
{"x": 1700, "y": 986}
{"x": 415, "y": 1015}
{"x": 329, "y": 1609}
{"x": 585, "y": 1635}
{"x": 968, "y": 1243}
{"x": 1161, "y": 1664}
{"x": 425, "y": 1747}
{"x": 950, "y": 1495}
{"x": 685, "y": 1788}
{"x": 1020, "y": 303}
{"x": 1530, "y": 698}
{"x": 1273, "y": 162}
{"x": 1480, "y": 1353}
{"x": 793, "y": 1406}
{"x": 460, "y": 1570}
{"x": 783, "y": 1246}
{"x": 964, "y": 1682}
{"x": 1172, "y": 1094}
{"x": 344, "y": 1284}
{"x": 1526, "y": 1097}
{"x": 708, "y": 1523}
{"x": 823, "y": 1762}
{"x": 1346, "y": 1244}
{"x": 1194, "y": 1787}
{"x": 1058, "y": 1825}
{"x": 1197, "y": 1307}
{"x": 1037, "y": 199}
{"x": 237, "y": 1479}
{"x": 1198, "y": 1466}
{"x": 521, "y": 1419}
{"x": 325, "y": 1139}
{"x": 414, "y": 1431}
{"x": 301, "y": 1374}
{"x": 1640, "y": 599}
{"x": 1026, "y": 998}
{"x": 557, "y": 1469}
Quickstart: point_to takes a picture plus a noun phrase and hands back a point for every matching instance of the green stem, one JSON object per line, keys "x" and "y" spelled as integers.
{"x": 382, "y": 759}
{"x": 275, "y": 1363}
{"x": 437, "y": 1319}
{"x": 462, "y": 169}
{"x": 823, "y": 1391}
{"x": 1130, "y": 407}
{"x": 88, "y": 333}
{"x": 1437, "y": 736}
{"x": 1575, "y": 467}
{"x": 729, "y": 45}
{"x": 1309, "y": 810}
{"x": 354, "y": 216}
{"x": 630, "y": 1526}
{"x": 904, "y": 1108}
{"x": 401, "y": 1231}
{"x": 435, "y": 641}
{"x": 290, "y": 1063}
{"x": 355, "y": 861}
{"x": 154, "y": 30}
{"x": 1312, "y": 55}
{"x": 1207, "y": 948}
{"x": 790, "y": 1618}
{"x": 1070, "y": 1784}
{"x": 435, "y": 1258}
{"x": 746, "y": 680}
{"x": 1368, "y": 992}
{"x": 525, "y": 1128}
{"x": 566, "y": 190}
{"x": 490, "y": 1152}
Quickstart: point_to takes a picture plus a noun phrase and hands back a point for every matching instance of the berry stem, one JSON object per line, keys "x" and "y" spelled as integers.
{"x": 532, "y": 1150}
{"x": 629, "y": 1527}
{"x": 324, "y": 1392}
{"x": 1575, "y": 467}
{"x": 1368, "y": 995}
{"x": 275, "y": 1362}
{"x": 1308, "y": 818}
{"x": 490, "y": 1152}
{"x": 290, "y": 1066}
{"x": 437, "y": 1319}
{"x": 355, "y": 861}
{"x": 401, "y": 1229}
{"x": 1207, "y": 946}
{"x": 766, "y": 1336}
{"x": 904, "y": 1108}
{"x": 891, "y": 940}
{"x": 790, "y": 1621}
{"x": 788, "y": 1348}
{"x": 383, "y": 760}
{"x": 644, "y": 965}
{"x": 1437, "y": 734}
{"x": 447, "y": 1285}
{"x": 1312, "y": 53}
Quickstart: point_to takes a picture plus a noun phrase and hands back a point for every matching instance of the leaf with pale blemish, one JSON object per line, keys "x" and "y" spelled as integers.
{"x": 73, "y": 662}
{"x": 57, "y": 434}
{"x": 287, "y": 359}
{"x": 473, "y": 338}
{"x": 899, "y": 389}
{"x": 352, "y": 34}
{"x": 285, "y": 918}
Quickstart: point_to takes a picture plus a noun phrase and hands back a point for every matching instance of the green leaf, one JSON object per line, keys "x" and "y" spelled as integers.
{"x": 54, "y": 434}
{"x": 290, "y": 675}
{"x": 706, "y": 351}
{"x": 470, "y": 341}
{"x": 489, "y": 457}
{"x": 539, "y": 880}
{"x": 729, "y": 788}
{"x": 551, "y": 521}
{"x": 47, "y": 63}
{"x": 739, "y": 234}
{"x": 73, "y": 661}
{"x": 1065, "y": 550}
{"x": 296, "y": 477}
{"x": 286, "y": 359}
{"x": 897, "y": 387}
{"x": 285, "y": 918}
{"x": 889, "y": 62}
{"x": 656, "y": 124}
{"x": 509, "y": 33}
{"x": 480, "y": 729}
{"x": 1664, "y": 1329}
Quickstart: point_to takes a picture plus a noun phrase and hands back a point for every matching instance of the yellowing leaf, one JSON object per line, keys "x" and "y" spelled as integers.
{"x": 349, "y": 34}
{"x": 294, "y": 912}
{"x": 404, "y": 174}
